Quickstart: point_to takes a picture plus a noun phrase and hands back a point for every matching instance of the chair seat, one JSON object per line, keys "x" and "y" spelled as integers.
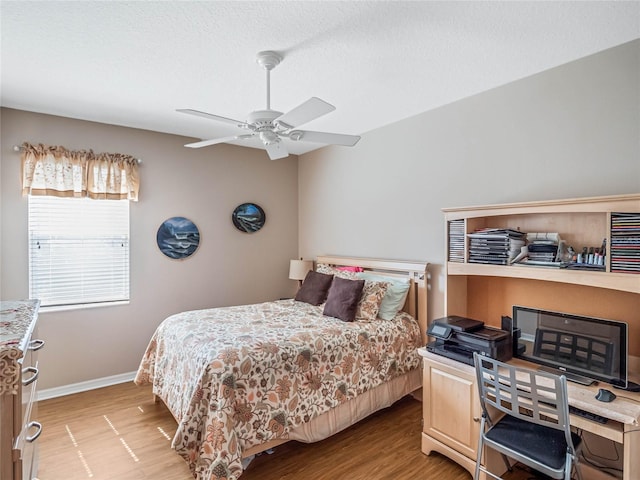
{"x": 542, "y": 444}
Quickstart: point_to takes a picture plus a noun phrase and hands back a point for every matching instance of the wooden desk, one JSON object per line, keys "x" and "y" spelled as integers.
{"x": 451, "y": 413}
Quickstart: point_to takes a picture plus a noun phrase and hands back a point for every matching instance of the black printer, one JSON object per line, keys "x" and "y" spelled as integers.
{"x": 458, "y": 337}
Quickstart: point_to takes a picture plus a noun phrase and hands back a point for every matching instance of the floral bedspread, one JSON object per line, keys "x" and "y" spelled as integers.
{"x": 235, "y": 377}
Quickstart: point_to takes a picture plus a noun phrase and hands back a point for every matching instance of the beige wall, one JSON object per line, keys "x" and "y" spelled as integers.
{"x": 568, "y": 132}
{"x": 205, "y": 185}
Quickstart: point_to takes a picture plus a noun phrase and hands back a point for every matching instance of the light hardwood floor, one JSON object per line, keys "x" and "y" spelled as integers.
{"x": 119, "y": 433}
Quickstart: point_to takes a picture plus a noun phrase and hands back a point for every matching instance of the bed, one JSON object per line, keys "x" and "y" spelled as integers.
{"x": 240, "y": 380}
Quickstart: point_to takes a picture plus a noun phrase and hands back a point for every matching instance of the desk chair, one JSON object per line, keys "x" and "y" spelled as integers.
{"x": 535, "y": 429}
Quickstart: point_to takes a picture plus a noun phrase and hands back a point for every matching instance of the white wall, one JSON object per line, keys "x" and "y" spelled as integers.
{"x": 205, "y": 185}
{"x": 572, "y": 131}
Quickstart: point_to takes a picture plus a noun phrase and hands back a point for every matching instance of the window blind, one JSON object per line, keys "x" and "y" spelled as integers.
{"x": 78, "y": 250}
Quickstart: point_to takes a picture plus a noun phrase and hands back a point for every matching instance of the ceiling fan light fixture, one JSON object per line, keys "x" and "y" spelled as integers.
{"x": 268, "y": 137}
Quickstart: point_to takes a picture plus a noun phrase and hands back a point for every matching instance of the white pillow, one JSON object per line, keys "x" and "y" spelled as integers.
{"x": 396, "y": 294}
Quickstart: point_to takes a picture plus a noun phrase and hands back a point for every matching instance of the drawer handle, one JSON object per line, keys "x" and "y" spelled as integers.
{"x": 476, "y": 419}
{"x": 35, "y": 436}
{"x": 35, "y": 345}
{"x": 33, "y": 378}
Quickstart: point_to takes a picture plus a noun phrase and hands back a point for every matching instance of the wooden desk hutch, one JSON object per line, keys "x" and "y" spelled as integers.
{"x": 487, "y": 292}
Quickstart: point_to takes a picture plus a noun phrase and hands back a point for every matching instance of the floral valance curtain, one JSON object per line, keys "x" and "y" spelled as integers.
{"x": 58, "y": 172}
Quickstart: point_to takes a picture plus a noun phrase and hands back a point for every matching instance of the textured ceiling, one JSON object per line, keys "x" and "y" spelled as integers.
{"x": 135, "y": 63}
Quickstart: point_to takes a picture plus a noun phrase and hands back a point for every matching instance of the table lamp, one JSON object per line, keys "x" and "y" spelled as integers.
{"x": 298, "y": 269}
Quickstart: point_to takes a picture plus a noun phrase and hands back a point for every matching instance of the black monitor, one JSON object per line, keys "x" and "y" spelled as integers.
{"x": 585, "y": 349}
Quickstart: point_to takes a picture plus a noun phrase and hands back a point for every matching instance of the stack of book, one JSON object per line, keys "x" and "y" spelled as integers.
{"x": 497, "y": 246}
{"x": 456, "y": 241}
{"x": 625, "y": 242}
{"x": 542, "y": 248}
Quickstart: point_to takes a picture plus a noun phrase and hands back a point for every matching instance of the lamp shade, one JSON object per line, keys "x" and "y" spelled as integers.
{"x": 298, "y": 269}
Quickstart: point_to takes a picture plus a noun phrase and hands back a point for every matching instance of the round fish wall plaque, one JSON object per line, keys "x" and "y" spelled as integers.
{"x": 178, "y": 237}
{"x": 248, "y": 217}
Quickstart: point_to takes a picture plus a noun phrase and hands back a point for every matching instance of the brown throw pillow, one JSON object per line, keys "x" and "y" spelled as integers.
{"x": 315, "y": 288}
{"x": 343, "y": 298}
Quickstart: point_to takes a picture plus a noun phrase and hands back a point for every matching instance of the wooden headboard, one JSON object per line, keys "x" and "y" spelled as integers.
{"x": 416, "y": 304}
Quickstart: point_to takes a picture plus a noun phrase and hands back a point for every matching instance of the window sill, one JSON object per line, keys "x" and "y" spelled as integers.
{"x": 82, "y": 306}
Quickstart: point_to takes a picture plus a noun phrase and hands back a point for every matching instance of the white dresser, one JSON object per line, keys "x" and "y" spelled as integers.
{"x": 18, "y": 379}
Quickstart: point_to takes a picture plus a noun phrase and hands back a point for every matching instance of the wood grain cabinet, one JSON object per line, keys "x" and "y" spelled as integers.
{"x": 451, "y": 410}
{"x": 19, "y": 429}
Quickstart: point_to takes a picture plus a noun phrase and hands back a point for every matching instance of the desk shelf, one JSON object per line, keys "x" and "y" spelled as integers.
{"x": 614, "y": 281}
{"x": 581, "y": 222}
{"x": 487, "y": 292}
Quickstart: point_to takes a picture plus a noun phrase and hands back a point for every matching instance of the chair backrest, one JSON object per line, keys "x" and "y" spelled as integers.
{"x": 531, "y": 395}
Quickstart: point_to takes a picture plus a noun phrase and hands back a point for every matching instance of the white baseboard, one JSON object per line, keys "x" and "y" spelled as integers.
{"x": 85, "y": 386}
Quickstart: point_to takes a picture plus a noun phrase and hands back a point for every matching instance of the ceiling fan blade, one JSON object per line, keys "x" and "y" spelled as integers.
{"x": 276, "y": 150}
{"x": 211, "y": 116}
{"x": 206, "y": 143}
{"x": 305, "y": 112}
{"x": 324, "y": 137}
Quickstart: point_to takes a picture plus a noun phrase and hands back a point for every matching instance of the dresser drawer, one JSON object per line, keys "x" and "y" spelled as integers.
{"x": 26, "y": 467}
{"x": 29, "y": 378}
{"x": 28, "y": 406}
{"x": 26, "y": 447}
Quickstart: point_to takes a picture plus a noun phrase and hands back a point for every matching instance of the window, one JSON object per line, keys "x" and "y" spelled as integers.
{"x": 78, "y": 250}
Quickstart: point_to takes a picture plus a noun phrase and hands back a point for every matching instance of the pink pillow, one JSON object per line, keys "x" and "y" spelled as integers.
{"x": 351, "y": 269}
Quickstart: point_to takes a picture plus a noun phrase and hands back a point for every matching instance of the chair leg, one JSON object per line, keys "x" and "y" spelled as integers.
{"x": 571, "y": 464}
{"x": 476, "y": 475}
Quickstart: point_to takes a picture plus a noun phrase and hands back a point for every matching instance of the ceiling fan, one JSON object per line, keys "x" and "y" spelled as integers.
{"x": 271, "y": 126}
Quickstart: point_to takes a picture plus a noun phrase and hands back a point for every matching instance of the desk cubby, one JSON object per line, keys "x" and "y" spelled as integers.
{"x": 487, "y": 292}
